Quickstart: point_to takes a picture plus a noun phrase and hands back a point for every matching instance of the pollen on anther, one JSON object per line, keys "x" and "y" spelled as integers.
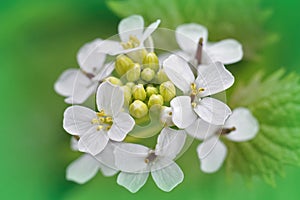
{"x": 99, "y": 128}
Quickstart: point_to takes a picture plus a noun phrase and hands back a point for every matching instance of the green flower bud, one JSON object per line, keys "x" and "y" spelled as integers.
{"x": 162, "y": 76}
{"x": 151, "y": 61}
{"x": 130, "y": 84}
{"x": 155, "y": 99}
{"x": 147, "y": 74}
{"x": 134, "y": 73}
{"x": 138, "y": 109}
{"x": 167, "y": 90}
{"x": 123, "y": 64}
{"x": 151, "y": 90}
{"x": 138, "y": 92}
{"x": 114, "y": 81}
{"x": 127, "y": 94}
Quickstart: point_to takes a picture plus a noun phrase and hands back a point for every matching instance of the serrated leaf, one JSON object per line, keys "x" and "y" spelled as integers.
{"x": 275, "y": 102}
{"x": 242, "y": 20}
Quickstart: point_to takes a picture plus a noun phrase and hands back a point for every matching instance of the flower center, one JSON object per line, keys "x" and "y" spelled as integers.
{"x": 151, "y": 157}
{"x": 194, "y": 93}
{"x": 131, "y": 43}
{"x": 103, "y": 121}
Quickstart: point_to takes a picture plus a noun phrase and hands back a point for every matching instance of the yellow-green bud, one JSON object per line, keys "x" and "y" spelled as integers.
{"x": 138, "y": 92}
{"x": 114, "y": 80}
{"x": 138, "y": 109}
{"x": 147, "y": 74}
{"x": 162, "y": 76}
{"x": 151, "y": 90}
{"x": 134, "y": 73}
{"x": 130, "y": 84}
{"x": 127, "y": 94}
{"x": 151, "y": 61}
{"x": 155, "y": 99}
{"x": 123, "y": 64}
{"x": 167, "y": 90}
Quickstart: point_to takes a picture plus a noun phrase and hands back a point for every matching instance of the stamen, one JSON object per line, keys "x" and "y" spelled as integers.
{"x": 108, "y": 128}
{"x": 102, "y": 119}
{"x": 170, "y": 113}
{"x": 199, "y": 51}
{"x": 151, "y": 157}
{"x": 201, "y": 90}
{"x": 226, "y": 131}
{"x": 94, "y": 121}
{"x": 108, "y": 119}
{"x": 194, "y": 104}
{"x": 101, "y": 113}
{"x": 99, "y": 128}
{"x": 193, "y": 86}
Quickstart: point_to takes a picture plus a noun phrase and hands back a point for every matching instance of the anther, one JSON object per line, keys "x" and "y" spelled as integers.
{"x": 199, "y": 51}
{"x": 99, "y": 128}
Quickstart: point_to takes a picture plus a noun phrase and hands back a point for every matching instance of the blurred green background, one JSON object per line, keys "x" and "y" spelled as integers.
{"x": 38, "y": 40}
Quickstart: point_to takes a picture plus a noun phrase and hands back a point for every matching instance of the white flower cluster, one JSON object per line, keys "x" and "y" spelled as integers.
{"x": 133, "y": 88}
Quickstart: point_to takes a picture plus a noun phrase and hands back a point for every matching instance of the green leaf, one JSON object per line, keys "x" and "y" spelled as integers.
{"x": 242, "y": 20}
{"x": 275, "y": 102}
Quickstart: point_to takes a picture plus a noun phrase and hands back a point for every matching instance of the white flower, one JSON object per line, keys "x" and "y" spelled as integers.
{"x": 132, "y": 35}
{"x": 86, "y": 166}
{"x": 136, "y": 161}
{"x": 211, "y": 79}
{"x": 78, "y": 84}
{"x": 227, "y": 51}
{"x": 240, "y": 126}
{"x": 96, "y": 128}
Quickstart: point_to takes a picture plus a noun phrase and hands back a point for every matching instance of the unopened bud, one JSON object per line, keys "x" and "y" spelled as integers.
{"x": 167, "y": 90}
{"x": 134, "y": 73}
{"x": 151, "y": 61}
{"x": 127, "y": 94}
{"x": 147, "y": 74}
{"x": 123, "y": 64}
{"x": 114, "y": 81}
{"x": 151, "y": 90}
{"x": 155, "y": 99}
{"x": 138, "y": 92}
{"x": 130, "y": 84}
{"x": 162, "y": 76}
{"x": 138, "y": 109}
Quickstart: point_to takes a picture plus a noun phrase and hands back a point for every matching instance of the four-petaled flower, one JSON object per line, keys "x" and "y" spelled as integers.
{"x": 192, "y": 39}
{"x": 96, "y": 128}
{"x": 136, "y": 161}
{"x": 239, "y": 127}
{"x": 196, "y": 103}
{"x": 78, "y": 84}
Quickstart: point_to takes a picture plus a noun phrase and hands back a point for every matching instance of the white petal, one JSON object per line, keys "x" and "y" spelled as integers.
{"x": 168, "y": 177}
{"x": 170, "y": 142}
{"x": 179, "y": 72}
{"x": 132, "y": 25}
{"x": 89, "y": 58}
{"x": 65, "y": 83}
{"x": 107, "y": 171}
{"x": 212, "y": 111}
{"x": 109, "y": 98}
{"x": 132, "y": 181}
{"x": 226, "y": 51}
{"x": 214, "y": 78}
{"x": 107, "y": 157}
{"x": 93, "y": 142}
{"x": 122, "y": 124}
{"x": 105, "y": 71}
{"x": 74, "y": 144}
{"x": 245, "y": 123}
{"x": 183, "y": 114}
{"x": 131, "y": 157}
{"x": 188, "y": 35}
{"x": 150, "y": 29}
{"x": 77, "y": 120}
{"x": 202, "y": 130}
{"x": 212, "y": 154}
{"x": 82, "y": 169}
{"x": 110, "y": 47}
{"x": 81, "y": 92}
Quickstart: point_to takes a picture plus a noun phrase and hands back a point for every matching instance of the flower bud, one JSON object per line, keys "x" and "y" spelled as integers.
{"x": 130, "y": 84}
{"x": 155, "y": 99}
{"x": 114, "y": 81}
{"x": 138, "y": 109}
{"x": 147, "y": 74}
{"x": 127, "y": 94}
{"x": 123, "y": 64}
{"x": 162, "y": 76}
{"x": 151, "y": 90}
{"x": 151, "y": 61}
{"x": 134, "y": 73}
{"x": 166, "y": 116}
{"x": 138, "y": 92}
{"x": 167, "y": 90}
